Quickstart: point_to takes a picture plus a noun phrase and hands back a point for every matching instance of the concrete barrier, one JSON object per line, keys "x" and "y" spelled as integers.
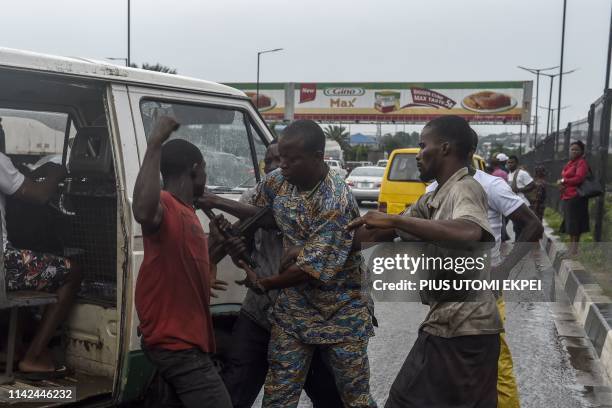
{"x": 593, "y": 309}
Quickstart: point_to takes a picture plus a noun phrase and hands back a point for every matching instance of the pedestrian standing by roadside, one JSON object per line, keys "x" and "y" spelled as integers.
{"x": 500, "y": 170}
{"x": 246, "y": 367}
{"x": 173, "y": 288}
{"x": 539, "y": 204}
{"x": 502, "y": 159}
{"x": 497, "y": 170}
{"x": 521, "y": 183}
{"x": 455, "y": 357}
{"x": 575, "y": 208}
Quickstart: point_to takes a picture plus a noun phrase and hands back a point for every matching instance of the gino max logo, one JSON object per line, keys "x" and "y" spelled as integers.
{"x": 344, "y": 91}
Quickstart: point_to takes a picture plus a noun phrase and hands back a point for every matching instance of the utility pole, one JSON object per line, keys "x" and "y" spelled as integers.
{"x": 607, "y": 83}
{"x": 536, "y": 71}
{"x": 552, "y": 78}
{"x": 258, "y": 56}
{"x": 561, "y": 66}
{"x": 128, "y": 34}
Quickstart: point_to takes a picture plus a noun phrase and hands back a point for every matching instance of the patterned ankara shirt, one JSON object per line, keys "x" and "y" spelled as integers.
{"x": 332, "y": 308}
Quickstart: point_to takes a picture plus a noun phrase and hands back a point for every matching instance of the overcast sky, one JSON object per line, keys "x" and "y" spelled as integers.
{"x": 331, "y": 40}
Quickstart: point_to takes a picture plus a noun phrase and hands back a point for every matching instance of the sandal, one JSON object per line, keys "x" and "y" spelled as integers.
{"x": 59, "y": 372}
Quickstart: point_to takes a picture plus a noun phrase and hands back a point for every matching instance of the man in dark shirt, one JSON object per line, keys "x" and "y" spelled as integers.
{"x": 173, "y": 287}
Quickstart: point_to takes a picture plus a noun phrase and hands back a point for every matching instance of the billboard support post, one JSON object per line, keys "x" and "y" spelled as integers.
{"x": 289, "y": 102}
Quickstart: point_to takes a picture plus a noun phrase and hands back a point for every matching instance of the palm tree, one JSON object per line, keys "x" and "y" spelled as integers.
{"x": 156, "y": 67}
{"x": 339, "y": 134}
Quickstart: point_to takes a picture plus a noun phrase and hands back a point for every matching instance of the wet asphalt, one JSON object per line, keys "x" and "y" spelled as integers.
{"x": 554, "y": 362}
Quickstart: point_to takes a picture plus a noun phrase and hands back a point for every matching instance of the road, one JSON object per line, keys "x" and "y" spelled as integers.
{"x": 554, "y": 362}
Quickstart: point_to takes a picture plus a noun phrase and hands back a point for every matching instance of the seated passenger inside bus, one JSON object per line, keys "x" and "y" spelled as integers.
{"x": 37, "y": 271}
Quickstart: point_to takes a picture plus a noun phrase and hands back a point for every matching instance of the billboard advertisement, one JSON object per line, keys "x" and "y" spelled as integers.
{"x": 483, "y": 102}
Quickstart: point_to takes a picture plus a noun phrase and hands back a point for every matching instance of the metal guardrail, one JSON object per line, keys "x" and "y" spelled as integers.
{"x": 553, "y": 154}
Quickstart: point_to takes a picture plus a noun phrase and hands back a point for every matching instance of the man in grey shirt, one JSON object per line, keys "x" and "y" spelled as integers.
{"x": 454, "y": 359}
{"x": 247, "y": 360}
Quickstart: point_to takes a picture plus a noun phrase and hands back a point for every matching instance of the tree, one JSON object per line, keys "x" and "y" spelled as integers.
{"x": 157, "y": 67}
{"x": 361, "y": 153}
{"x": 399, "y": 140}
{"x": 339, "y": 134}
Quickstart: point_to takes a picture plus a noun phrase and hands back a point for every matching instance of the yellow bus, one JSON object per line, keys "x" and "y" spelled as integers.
{"x": 401, "y": 185}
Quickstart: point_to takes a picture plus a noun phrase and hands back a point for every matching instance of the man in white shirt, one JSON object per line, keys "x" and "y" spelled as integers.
{"x": 502, "y": 201}
{"x": 520, "y": 182}
{"x": 29, "y": 270}
{"x": 524, "y": 182}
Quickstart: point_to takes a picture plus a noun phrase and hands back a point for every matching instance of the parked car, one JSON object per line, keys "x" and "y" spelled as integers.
{"x": 401, "y": 185}
{"x": 334, "y": 165}
{"x": 365, "y": 182}
{"x": 382, "y": 163}
{"x": 351, "y": 165}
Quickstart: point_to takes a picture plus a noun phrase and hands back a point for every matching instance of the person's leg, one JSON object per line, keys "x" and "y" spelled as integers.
{"x": 517, "y": 230}
{"x": 507, "y": 390}
{"x": 192, "y": 376}
{"x": 410, "y": 389}
{"x": 504, "y": 233}
{"x": 247, "y": 362}
{"x": 320, "y": 384}
{"x": 573, "y": 245}
{"x": 351, "y": 368}
{"x": 28, "y": 270}
{"x": 447, "y": 372}
{"x": 289, "y": 361}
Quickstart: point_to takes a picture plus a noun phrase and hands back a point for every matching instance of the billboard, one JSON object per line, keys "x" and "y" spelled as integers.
{"x": 482, "y": 102}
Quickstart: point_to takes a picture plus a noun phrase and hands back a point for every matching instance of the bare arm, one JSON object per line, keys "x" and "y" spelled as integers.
{"x": 527, "y": 188}
{"x": 235, "y": 208}
{"x": 291, "y": 276}
{"x": 426, "y": 230}
{"x": 146, "y": 203}
{"x": 531, "y": 232}
{"x": 364, "y": 235}
{"x": 41, "y": 192}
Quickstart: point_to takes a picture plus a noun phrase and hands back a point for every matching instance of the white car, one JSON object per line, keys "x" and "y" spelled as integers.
{"x": 382, "y": 163}
{"x": 365, "y": 182}
{"x": 334, "y": 165}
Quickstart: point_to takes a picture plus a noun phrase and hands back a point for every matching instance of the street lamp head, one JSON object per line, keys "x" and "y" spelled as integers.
{"x": 536, "y": 70}
{"x": 558, "y": 73}
{"x": 267, "y": 51}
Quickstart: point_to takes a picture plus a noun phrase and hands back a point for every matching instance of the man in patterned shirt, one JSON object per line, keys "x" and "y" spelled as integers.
{"x": 321, "y": 304}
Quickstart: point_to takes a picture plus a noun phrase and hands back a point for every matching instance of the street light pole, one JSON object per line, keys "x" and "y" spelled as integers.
{"x": 536, "y": 71}
{"x": 128, "y": 61}
{"x": 607, "y": 83}
{"x": 257, "y": 86}
{"x": 552, "y": 77}
{"x": 561, "y": 66}
{"x": 537, "y": 98}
